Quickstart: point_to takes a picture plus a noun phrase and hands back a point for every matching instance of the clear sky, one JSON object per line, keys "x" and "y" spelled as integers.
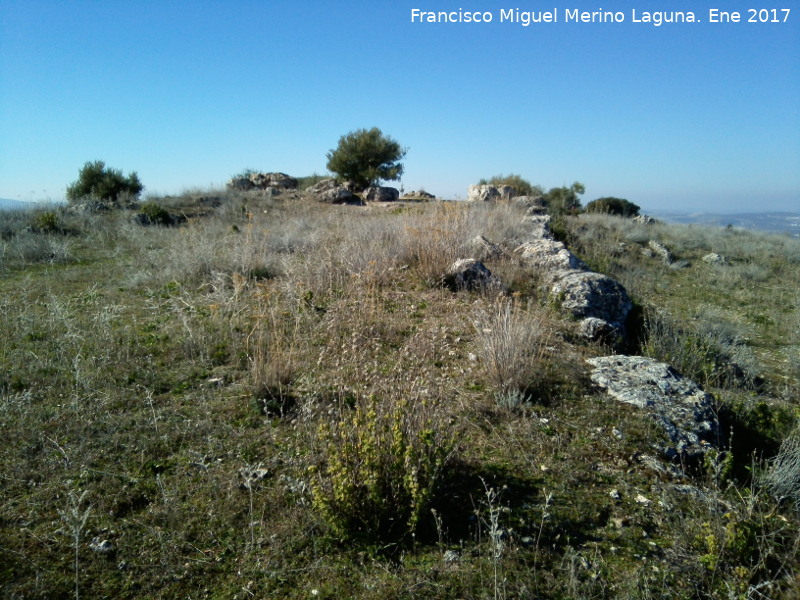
{"x": 690, "y": 116}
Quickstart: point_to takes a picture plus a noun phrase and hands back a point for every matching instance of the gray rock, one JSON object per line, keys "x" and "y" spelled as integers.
{"x": 679, "y": 406}
{"x": 380, "y": 194}
{"x": 332, "y": 192}
{"x": 644, "y": 220}
{"x": 263, "y": 181}
{"x": 587, "y": 294}
{"x": 715, "y": 259}
{"x": 550, "y": 256}
{"x": 421, "y": 194}
{"x": 482, "y": 249}
{"x": 489, "y": 193}
{"x": 470, "y": 274}
{"x": 596, "y": 329}
{"x": 101, "y": 546}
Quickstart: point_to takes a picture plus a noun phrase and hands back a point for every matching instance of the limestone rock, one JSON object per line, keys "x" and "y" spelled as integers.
{"x": 262, "y": 181}
{"x": 470, "y": 274}
{"x": 482, "y": 249}
{"x": 596, "y": 329}
{"x": 644, "y": 220}
{"x": 550, "y": 256}
{"x": 678, "y": 405}
{"x": 420, "y": 195}
{"x": 489, "y": 193}
{"x": 715, "y": 259}
{"x": 380, "y": 194}
{"x": 587, "y": 294}
{"x": 332, "y": 192}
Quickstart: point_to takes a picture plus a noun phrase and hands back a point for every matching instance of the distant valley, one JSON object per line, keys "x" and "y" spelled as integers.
{"x": 777, "y": 222}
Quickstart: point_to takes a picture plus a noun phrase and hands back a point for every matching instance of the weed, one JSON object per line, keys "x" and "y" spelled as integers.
{"x": 74, "y": 518}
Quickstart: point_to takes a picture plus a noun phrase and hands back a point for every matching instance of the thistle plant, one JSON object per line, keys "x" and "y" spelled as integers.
{"x": 74, "y": 518}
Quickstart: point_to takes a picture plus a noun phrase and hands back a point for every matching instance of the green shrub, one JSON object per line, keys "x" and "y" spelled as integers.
{"x": 366, "y": 156}
{"x": 46, "y": 222}
{"x": 151, "y": 213}
{"x": 564, "y": 200}
{"x": 613, "y": 206}
{"x": 381, "y": 463}
{"x": 522, "y": 186}
{"x": 97, "y": 181}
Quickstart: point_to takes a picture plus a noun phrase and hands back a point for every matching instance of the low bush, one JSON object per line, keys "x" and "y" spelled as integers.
{"x": 380, "y": 466}
{"x": 613, "y": 206}
{"x": 97, "y": 181}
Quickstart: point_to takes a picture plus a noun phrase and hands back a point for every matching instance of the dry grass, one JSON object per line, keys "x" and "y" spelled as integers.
{"x": 181, "y": 377}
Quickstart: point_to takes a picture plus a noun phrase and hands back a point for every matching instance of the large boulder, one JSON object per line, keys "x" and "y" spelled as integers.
{"x": 587, "y": 294}
{"x": 679, "y": 406}
{"x": 330, "y": 191}
{"x": 549, "y": 255}
{"x": 489, "y": 193}
{"x": 380, "y": 194}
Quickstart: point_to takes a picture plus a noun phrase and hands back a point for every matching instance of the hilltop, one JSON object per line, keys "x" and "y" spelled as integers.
{"x": 276, "y": 397}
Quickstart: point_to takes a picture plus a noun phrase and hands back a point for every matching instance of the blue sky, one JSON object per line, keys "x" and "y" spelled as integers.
{"x": 686, "y": 116}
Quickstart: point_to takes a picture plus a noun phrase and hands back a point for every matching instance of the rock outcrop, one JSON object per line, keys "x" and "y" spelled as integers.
{"x": 263, "y": 181}
{"x": 330, "y": 191}
{"x": 470, "y": 274}
{"x": 601, "y": 303}
{"x": 418, "y": 195}
{"x": 489, "y": 193}
{"x": 380, "y": 194}
{"x": 715, "y": 259}
{"x": 678, "y": 405}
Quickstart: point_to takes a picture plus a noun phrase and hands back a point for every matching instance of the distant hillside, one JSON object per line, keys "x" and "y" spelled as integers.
{"x": 778, "y": 222}
{"x": 6, "y": 204}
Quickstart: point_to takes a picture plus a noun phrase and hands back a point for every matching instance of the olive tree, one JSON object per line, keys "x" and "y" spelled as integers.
{"x": 97, "y": 181}
{"x": 365, "y": 157}
{"x": 564, "y": 200}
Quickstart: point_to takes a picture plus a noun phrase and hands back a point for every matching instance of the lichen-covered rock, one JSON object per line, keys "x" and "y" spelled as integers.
{"x": 489, "y": 193}
{"x": 262, "y": 181}
{"x": 470, "y": 274}
{"x": 715, "y": 259}
{"x": 596, "y": 329}
{"x": 482, "y": 249}
{"x": 331, "y": 192}
{"x": 678, "y": 405}
{"x": 549, "y": 255}
{"x": 587, "y": 294}
{"x": 380, "y": 194}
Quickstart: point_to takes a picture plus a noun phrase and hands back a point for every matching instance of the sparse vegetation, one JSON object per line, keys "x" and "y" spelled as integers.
{"x": 522, "y": 186}
{"x": 278, "y": 398}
